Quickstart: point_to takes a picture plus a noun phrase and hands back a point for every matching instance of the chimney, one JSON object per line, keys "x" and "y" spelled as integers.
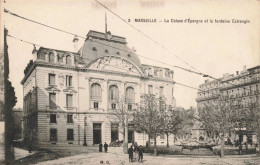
{"x": 237, "y": 72}
{"x": 244, "y": 68}
{"x": 75, "y": 43}
{"x": 34, "y": 53}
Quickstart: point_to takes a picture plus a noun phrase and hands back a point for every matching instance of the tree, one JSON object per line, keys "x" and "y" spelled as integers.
{"x": 9, "y": 103}
{"x": 149, "y": 117}
{"x": 187, "y": 121}
{"x": 121, "y": 115}
{"x": 252, "y": 122}
{"x": 220, "y": 117}
{"x": 172, "y": 122}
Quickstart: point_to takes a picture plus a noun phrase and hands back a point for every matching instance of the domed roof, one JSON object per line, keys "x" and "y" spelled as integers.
{"x": 100, "y": 44}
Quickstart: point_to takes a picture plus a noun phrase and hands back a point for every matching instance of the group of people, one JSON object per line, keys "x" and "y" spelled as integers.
{"x": 135, "y": 151}
{"x": 105, "y": 147}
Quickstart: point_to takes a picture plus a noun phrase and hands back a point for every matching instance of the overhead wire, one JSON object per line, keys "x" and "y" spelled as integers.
{"x": 144, "y": 34}
{"x": 188, "y": 70}
{"x": 30, "y": 20}
{"x": 11, "y": 36}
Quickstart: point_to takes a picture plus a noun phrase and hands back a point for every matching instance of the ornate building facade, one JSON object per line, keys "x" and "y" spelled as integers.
{"x": 69, "y": 97}
{"x": 243, "y": 86}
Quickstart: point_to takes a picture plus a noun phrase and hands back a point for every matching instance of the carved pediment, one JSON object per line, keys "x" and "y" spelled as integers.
{"x": 52, "y": 89}
{"x": 117, "y": 64}
{"x": 69, "y": 90}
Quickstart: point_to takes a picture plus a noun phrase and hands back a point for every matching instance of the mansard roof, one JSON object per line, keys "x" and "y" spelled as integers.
{"x": 100, "y": 44}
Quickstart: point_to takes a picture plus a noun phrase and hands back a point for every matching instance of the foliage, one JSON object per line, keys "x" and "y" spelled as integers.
{"x": 220, "y": 117}
{"x": 121, "y": 116}
{"x": 252, "y": 119}
{"x": 150, "y": 116}
{"x": 187, "y": 121}
{"x": 172, "y": 122}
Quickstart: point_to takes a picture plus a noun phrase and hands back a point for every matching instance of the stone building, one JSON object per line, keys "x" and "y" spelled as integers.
{"x": 243, "y": 86}
{"x": 69, "y": 97}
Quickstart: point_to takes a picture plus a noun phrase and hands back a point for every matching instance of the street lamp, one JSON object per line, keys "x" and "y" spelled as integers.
{"x": 85, "y": 124}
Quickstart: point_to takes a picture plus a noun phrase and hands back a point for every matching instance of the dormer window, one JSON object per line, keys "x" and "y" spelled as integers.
{"x": 51, "y": 57}
{"x": 129, "y": 55}
{"x": 68, "y": 60}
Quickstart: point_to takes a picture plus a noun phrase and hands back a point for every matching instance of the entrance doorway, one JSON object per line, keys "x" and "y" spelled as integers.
{"x": 96, "y": 133}
{"x": 130, "y": 133}
{"x": 114, "y": 132}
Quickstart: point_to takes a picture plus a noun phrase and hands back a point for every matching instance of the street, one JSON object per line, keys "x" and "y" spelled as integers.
{"x": 120, "y": 159}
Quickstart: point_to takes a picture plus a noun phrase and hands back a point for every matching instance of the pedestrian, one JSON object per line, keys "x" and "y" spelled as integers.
{"x": 147, "y": 143}
{"x": 100, "y": 147}
{"x": 135, "y": 151}
{"x": 130, "y": 152}
{"x": 30, "y": 147}
{"x": 240, "y": 149}
{"x": 105, "y": 147}
{"x": 141, "y": 153}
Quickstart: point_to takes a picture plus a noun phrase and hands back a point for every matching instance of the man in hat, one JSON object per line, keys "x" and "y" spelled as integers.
{"x": 130, "y": 152}
{"x": 105, "y": 146}
{"x": 100, "y": 147}
{"x": 141, "y": 152}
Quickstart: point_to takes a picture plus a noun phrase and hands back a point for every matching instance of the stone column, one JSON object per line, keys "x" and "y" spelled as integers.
{"x": 105, "y": 95}
{"x": 87, "y": 94}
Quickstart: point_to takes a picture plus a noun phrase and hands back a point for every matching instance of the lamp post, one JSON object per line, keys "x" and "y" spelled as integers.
{"x": 126, "y": 128}
{"x": 85, "y": 124}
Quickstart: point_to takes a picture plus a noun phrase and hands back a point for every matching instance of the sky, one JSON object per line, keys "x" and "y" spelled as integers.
{"x": 211, "y": 48}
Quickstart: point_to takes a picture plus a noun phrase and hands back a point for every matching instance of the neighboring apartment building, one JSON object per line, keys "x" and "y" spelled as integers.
{"x": 69, "y": 97}
{"x": 244, "y": 86}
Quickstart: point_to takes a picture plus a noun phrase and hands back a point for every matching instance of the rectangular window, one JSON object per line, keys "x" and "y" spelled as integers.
{"x": 150, "y": 89}
{"x": 114, "y": 132}
{"x": 96, "y": 105}
{"x": 69, "y": 81}
{"x": 70, "y": 134}
{"x": 129, "y": 107}
{"x": 51, "y": 79}
{"x": 161, "y": 73}
{"x": 113, "y": 106}
{"x": 162, "y": 136}
{"x": 53, "y": 134}
{"x": 69, "y": 118}
{"x": 53, "y": 118}
{"x": 69, "y": 103}
{"x": 52, "y": 100}
{"x": 161, "y": 92}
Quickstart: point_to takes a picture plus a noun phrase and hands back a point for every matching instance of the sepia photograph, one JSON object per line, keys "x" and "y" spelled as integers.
{"x": 115, "y": 82}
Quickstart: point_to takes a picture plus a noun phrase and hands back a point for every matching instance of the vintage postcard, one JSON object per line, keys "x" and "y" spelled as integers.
{"x": 130, "y": 81}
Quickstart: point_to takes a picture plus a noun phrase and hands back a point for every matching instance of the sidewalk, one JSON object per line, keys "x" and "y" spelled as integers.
{"x": 20, "y": 153}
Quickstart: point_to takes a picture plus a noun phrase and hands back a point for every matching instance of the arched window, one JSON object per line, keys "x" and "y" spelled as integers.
{"x": 41, "y": 56}
{"x": 51, "y": 57}
{"x": 95, "y": 92}
{"x": 113, "y": 93}
{"x": 68, "y": 60}
{"x": 130, "y": 95}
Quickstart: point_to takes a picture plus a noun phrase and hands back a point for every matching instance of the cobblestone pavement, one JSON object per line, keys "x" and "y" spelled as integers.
{"x": 121, "y": 159}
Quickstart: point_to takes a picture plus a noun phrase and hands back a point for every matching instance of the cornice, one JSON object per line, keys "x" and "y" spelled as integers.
{"x": 75, "y": 68}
